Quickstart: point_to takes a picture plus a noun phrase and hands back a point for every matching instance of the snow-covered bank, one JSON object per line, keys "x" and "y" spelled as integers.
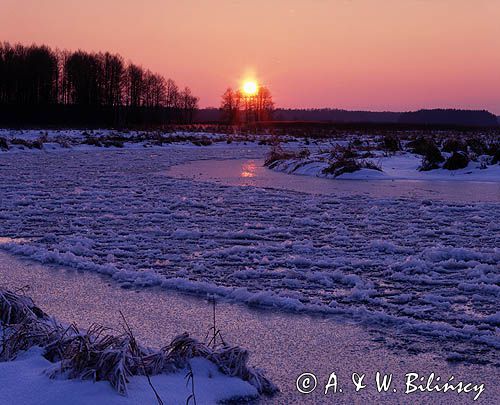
{"x": 38, "y": 347}
{"x": 23, "y": 382}
{"x": 399, "y": 166}
{"x": 426, "y": 270}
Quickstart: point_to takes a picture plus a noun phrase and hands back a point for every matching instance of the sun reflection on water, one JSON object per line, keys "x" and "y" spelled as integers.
{"x": 248, "y": 170}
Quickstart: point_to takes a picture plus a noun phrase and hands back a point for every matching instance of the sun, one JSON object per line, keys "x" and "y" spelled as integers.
{"x": 250, "y": 87}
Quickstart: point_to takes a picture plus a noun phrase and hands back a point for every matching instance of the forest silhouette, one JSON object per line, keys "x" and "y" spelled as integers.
{"x": 42, "y": 86}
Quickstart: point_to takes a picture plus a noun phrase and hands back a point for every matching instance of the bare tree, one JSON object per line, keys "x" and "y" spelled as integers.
{"x": 236, "y": 105}
{"x": 230, "y": 106}
{"x": 113, "y": 71}
{"x": 188, "y": 105}
{"x": 264, "y": 104}
{"x": 171, "y": 94}
{"x": 134, "y": 88}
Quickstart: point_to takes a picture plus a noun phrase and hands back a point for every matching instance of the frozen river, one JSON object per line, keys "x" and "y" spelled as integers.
{"x": 251, "y": 172}
{"x": 413, "y": 266}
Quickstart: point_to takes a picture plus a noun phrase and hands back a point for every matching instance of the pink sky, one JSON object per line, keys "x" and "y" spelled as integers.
{"x": 353, "y": 54}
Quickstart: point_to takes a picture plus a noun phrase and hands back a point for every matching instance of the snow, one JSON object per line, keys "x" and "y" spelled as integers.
{"x": 386, "y": 262}
{"x": 87, "y": 140}
{"x": 399, "y": 166}
{"x": 23, "y": 381}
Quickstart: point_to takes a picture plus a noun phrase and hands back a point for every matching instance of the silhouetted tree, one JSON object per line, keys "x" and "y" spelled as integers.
{"x": 264, "y": 104}
{"x": 84, "y": 75}
{"x": 28, "y": 75}
{"x": 113, "y": 74}
{"x": 171, "y": 94}
{"x": 134, "y": 85}
{"x": 230, "y": 106}
{"x": 188, "y": 105}
{"x": 237, "y": 106}
{"x": 154, "y": 90}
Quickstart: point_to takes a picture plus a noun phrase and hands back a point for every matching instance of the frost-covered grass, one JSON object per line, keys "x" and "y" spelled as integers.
{"x": 100, "y": 355}
{"x": 423, "y": 270}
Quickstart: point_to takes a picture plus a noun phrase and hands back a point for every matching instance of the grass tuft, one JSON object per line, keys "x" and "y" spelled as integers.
{"x": 98, "y": 355}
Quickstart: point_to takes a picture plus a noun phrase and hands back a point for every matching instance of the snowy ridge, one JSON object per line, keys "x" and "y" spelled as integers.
{"x": 428, "y": 269}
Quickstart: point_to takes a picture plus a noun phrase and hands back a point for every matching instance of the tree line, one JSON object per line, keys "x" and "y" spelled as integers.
{"x": 240, "y": 108}
{"x": 46, "y": 86}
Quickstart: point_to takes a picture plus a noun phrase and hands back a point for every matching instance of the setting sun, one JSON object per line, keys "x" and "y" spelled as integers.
{"x": 250, "y": 87}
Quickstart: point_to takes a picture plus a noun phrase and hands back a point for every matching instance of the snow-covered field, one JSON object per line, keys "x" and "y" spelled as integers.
{"x": 421, "y": 273}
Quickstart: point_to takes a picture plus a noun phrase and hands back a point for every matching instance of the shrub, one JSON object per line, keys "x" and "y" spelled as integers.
{"x": 425, "y": 147}
{"x": 454, "y": 145}
{"x": 28, "y": 144}
{"x": 277, "y": 153}
{"x": 44, "y": 137}
{"x": 458, "y": 160}
{"x": 63, "y": 141}
{"x": 493, "y": 149}
{"x": 92, "y": 141}
{"x": 427, "y": 165}
{"x": 345, "y": 163}
{"x": 496, "y": 157}
{"x": 432, "y": 154}
{"x": 356, "y": 143}
{"x": 112, "y": 140}
{"x": 341, "y": 166}
{"x": 3, "y": 144}
{"x": 343, "y": 152}
{"x": 202, "y": 142}
{"x": 37, "y": 144}
{"x": 390, "y": 143}
{"x": 366, "y": 155}
{"x": 367, "y": 164}
{"x": 156, "y": 139}
{"x": 478, "y": 146}
{"x": 431, "y": 159}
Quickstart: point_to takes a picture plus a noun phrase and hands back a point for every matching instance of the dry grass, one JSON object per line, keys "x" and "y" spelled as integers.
{"x": 345, "y": 160}
{"x": 277, "y": 154}
{"x": 98, "y": 355}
